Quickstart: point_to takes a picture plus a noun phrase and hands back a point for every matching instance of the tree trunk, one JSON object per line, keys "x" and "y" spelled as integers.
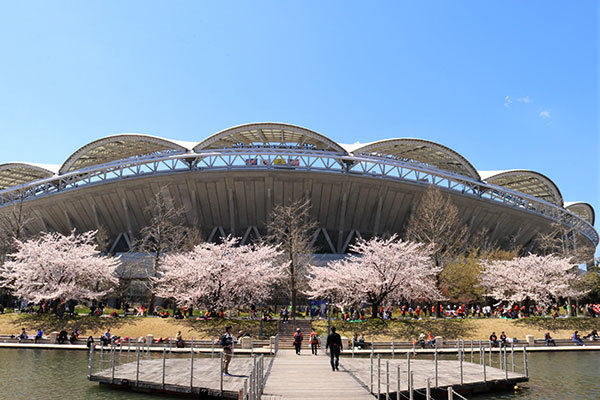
{"x": 293, "y": 289}
{"x": 374, "y": 309}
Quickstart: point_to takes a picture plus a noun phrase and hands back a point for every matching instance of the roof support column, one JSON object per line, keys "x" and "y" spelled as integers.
{"x": 229, "y": 184}
{"x": 127, "y": 219}
{"x": 340, "y": 243}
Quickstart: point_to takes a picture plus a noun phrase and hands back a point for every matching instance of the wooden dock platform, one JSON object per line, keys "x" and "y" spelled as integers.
{"x": 206, "y": 382}
{"x": 291, "y": 376}
{"x": 473, "y": 380}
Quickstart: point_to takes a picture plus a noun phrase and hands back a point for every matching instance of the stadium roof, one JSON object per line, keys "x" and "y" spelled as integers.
{"x": 528, "y": 182}
{"x": 119, "y": 147}
{"x": 421, "y": 151}
{"x": 269, "y": 134}
{"x": 18, "y": 173}
{"x": 581, "y": 209}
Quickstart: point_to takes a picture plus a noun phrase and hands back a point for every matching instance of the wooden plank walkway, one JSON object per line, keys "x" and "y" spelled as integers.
{"x": 310, "y": 377}
{"x": 206, "y": 380}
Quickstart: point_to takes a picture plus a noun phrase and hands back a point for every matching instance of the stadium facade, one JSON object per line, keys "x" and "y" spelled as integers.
{"x": 229, "y": 182}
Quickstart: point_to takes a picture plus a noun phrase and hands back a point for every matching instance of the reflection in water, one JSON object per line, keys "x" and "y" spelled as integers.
{"x": 53, "y": 374}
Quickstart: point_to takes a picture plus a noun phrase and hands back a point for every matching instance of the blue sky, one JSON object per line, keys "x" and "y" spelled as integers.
{"x": 508, "y": 84}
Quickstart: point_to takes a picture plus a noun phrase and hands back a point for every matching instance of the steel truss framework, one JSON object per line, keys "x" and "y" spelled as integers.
{"x": 293, "y": 158}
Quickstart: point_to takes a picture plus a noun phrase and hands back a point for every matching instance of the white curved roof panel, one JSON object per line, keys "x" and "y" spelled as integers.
{"x": 581, "y": 209}
{"x": 525, "y": 181}
{"x": 119, "y": 147}
{"x": 19, "y": 173}
{"x": 269, "y": 134}
{"x": 422, "y": 152}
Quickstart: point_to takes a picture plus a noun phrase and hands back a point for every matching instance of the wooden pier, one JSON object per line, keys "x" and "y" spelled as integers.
{"x": 291, "y": 376}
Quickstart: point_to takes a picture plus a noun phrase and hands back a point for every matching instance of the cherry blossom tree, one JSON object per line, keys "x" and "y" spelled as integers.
{"x": 59, "y": 267}
{"x": 218, "y": 276}
{"x": 382, "y": 270}
{"x": 537, "y": 279}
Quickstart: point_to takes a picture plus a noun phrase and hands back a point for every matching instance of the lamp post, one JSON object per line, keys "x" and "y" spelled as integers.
{"x": 329, "y": 315}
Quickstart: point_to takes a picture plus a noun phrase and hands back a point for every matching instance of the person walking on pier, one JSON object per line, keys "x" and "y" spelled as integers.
{"x": 227, "y": 342}
{"x": 314, "y": 341}
{"x": 334, "y": 344}
{"x": 298, "y": 340}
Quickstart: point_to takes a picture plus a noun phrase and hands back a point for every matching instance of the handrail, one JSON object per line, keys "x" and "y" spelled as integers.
{"x": 294, "y": 159}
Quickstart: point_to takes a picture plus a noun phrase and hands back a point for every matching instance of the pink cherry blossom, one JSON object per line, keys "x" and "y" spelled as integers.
{"x": 55, "y": 266}
{"x": 382, "y": 270}
{"x": 539, "y": 279}
{"x": 218, "y": 276}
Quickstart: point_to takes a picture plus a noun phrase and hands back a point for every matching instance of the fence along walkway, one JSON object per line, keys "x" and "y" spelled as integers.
{"x": 310, "y": 377}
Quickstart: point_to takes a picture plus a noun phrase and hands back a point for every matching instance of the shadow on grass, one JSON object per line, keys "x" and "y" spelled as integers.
{"x": 50, "y": 323}
{"x": 406, "y": 329}
{"x": 550, "y": 324}
{"x": 216, "y": 327}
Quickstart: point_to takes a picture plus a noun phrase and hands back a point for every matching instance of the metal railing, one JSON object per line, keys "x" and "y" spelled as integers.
{"x": 295, "y": 159}
{"x": 106, "y": 359}
{"x": 485, "y": 354}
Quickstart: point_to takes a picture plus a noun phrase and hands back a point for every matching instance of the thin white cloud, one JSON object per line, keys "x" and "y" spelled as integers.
{"x": 525, "y": 100}
{"x": 545, "y": 114}
{"x": 507, "y": 101}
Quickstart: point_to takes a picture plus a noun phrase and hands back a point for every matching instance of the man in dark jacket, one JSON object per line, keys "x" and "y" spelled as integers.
{"x": 334, "y": 344}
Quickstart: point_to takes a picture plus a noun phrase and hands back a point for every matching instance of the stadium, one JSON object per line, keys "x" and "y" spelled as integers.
{"x": 229, "y": 182}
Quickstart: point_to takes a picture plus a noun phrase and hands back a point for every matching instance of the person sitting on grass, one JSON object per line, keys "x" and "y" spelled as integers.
{"x": 549, "y": 339}
{"x": 430, "y": 339}
{"x": 577, "y": 339}
{"x": 74, "y": 336}
{"x": 179, "y": 340}
{"x": 62, "y": 336}
{"x": 494, "y": 339}
{"x": 38, "y": 335}
{"x": 592, "y": 336}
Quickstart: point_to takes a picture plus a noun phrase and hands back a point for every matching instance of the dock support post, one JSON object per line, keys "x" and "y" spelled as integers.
{"x": 471, "y": 350}
{"x": 512, "y": 356}
{"x": 251, "y": 345}
{"x": 371, "y": 374}
{"x": 254, "y": 373}
{"x": 192, "y": 367}
{"x": 393, "y": 348}
{"x": 450, "y": 393}
{"x": 506, "y": 363}
{"x": 221, "y": 371}
{"x": 112, "y": 362}
{"x": 460, "y": 359}
{"x": 128, "y": 347}
{"x": 352, "y": 350}
{"x": 137, "y": 361}
{"x": 387, "y": 380}
{"x": 245, "y": 389}
{"x": 408, "y": 370}
{"x": 270, "y": 345}
{"x": 120, "y": 351}
{"x": 101, "y": 355}
{"x": 212, "y": 349}
{"x": 436, "y": 363}
{"x": 525, "y": 361}
{"x": 428, "y": 389}
{"x": 411, "y": 385}
{"x": 490, "y": 354}
{"x": 398, "y": 382}
{"x": 163, "y": 365}
{"x": 91, "y": 361}
{"x": 372, "y": 345}
{"x": 484, "y": 377}
{"x": 378, "y": 375}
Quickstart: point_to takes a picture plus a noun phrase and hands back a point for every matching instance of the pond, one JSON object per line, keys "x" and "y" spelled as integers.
{"x": 52, "y": 374}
